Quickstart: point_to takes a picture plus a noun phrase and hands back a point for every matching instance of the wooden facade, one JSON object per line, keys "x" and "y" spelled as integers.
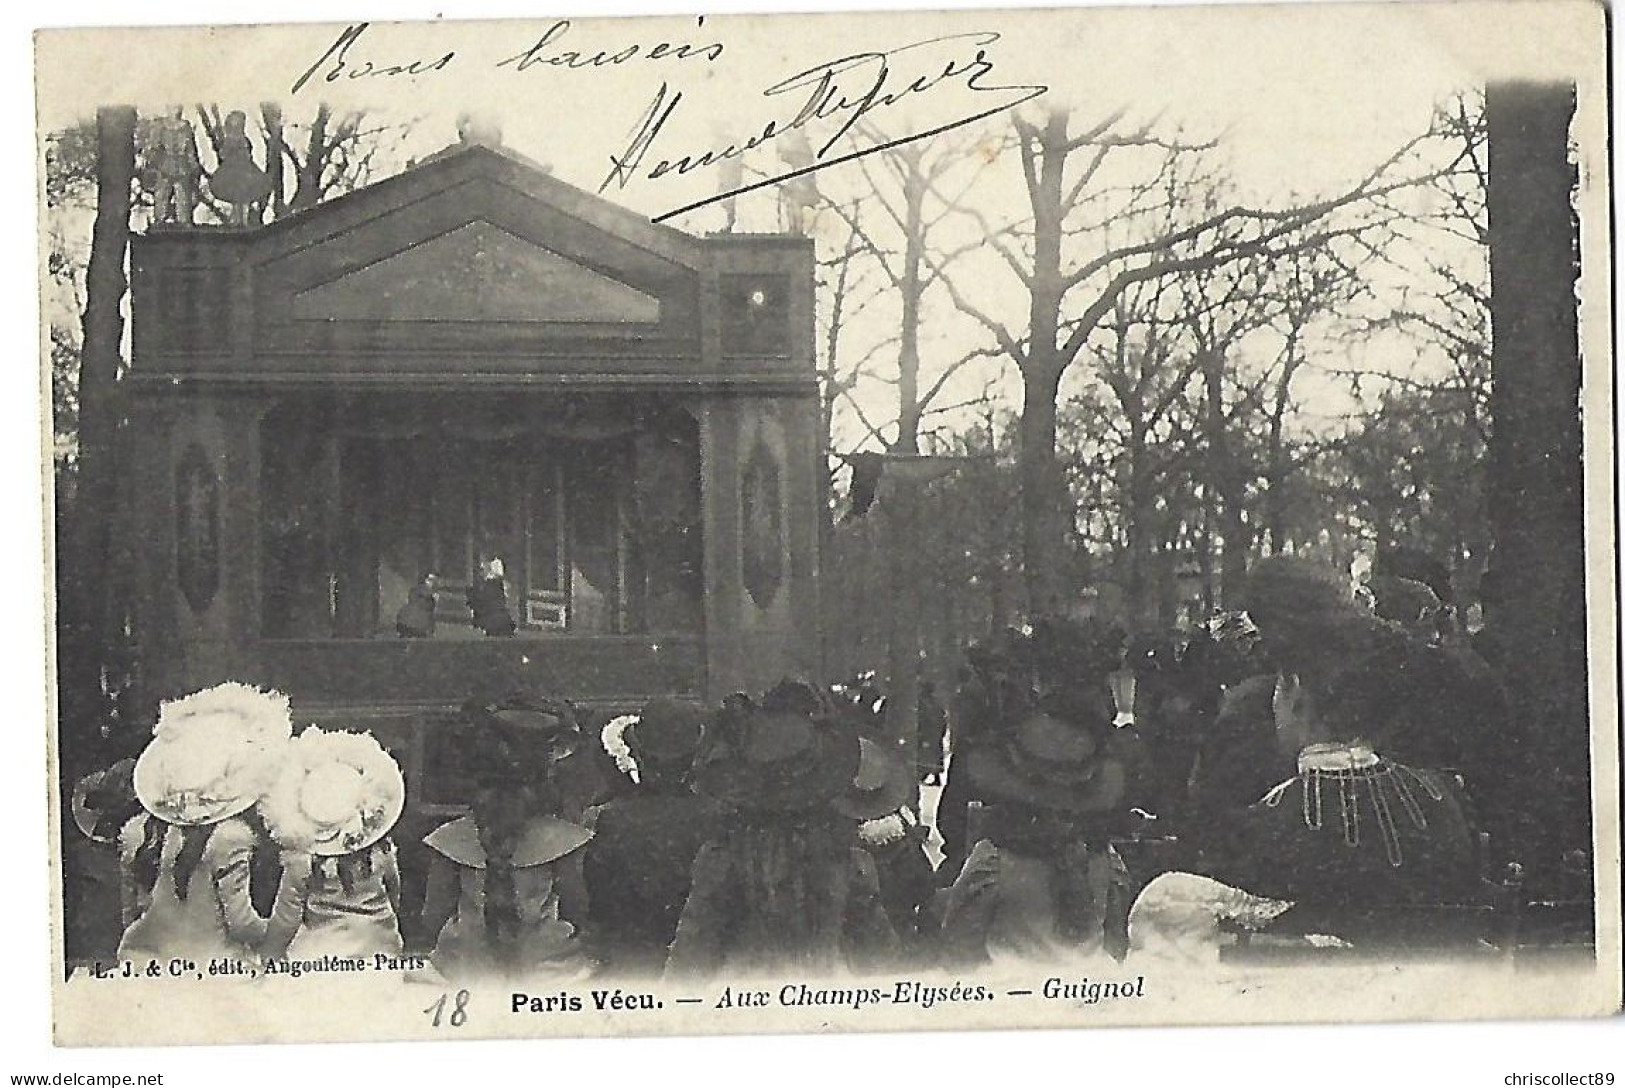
{"x": 471, "y": 359}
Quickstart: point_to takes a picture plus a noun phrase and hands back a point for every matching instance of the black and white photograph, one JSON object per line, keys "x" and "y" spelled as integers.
{"x": 828, "y": 523}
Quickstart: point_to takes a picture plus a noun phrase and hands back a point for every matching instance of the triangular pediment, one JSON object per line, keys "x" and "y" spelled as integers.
{"x": 477, "y": 272}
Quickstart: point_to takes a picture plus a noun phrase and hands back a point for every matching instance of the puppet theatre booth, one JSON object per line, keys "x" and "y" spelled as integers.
{"x": 597, "y": 434}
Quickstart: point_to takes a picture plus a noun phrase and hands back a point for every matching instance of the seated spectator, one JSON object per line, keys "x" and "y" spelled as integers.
{"x": 1353, "y": 828}
{"x": 1041, "y": 882}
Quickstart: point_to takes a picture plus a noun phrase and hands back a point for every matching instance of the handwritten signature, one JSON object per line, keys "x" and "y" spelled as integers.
{"x": 834, "y": 95}
{"x": 841, "y": 91}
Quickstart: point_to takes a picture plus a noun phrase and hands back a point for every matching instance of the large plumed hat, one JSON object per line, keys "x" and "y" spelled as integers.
{"x": 337, "y": 793}
{"x": 666, "y": 732}
{"x": 1181, "y": 915}
{"x": 1371, "y": 678}
{"x": 1287, "y": 595}
{"x": 213, "y": 754}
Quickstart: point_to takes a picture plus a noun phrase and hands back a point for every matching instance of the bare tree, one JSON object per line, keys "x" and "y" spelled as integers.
{"x": 1073, "y": 261}
{"x": 1439, "y": 257}
{"x": 909, "y": 184}
{"x": 1308, "y": 287}
{"x": 1137, "y": 432}
{"x": 848, "y": 288}
{"x": 83, "y": 596}
{"x": 1225, "y": 304}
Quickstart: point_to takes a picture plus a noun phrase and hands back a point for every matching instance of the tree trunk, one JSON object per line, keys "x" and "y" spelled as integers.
{"x": 1227, "y": 480}
{"x": 1204, "y": 552}
{"x": 271, "y": 114}
{"x": 903, "y": 635}
{"x": 1275, "y": 477}
{"x": 1535, "y": 486}
{"x": 903, "y": 649}
{"x": 307, "y": 191}
{"x": 1138, "y": 524}
{"x": 912, "y": 290}
{"x": 1043, "y": 494}
{"x": 86, "y": 577}
{"x": 1237, "y": 542}
{"x": 829, "y": 390}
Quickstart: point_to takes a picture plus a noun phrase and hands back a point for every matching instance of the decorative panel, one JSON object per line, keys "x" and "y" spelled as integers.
{"x": 477, "y": 273}
{"x": 197, "y": 528}
{"x": 762, "y": 516}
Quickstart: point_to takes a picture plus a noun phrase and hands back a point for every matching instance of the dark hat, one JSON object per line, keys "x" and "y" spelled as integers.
{"x": 776, "y": 760}
{"x": 1312, "y": 625}
{"x": 795, "y": 696}
{"x": 1286, "y": 594}
{"x": 518, "y": 736}
{"x": 1048, "y": 762}
{"x": 667, "y": 730}
{"x": 1058, "y": 665}
{"x": 881, "y": 785}
{"x": 1378, "y": 682}
{"x": 1044, "y": 709}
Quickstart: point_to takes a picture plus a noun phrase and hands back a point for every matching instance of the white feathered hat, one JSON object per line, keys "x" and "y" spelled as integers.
{"x": 213, "y": 754}
{"x": 1179, "y": 915}
{"x": 337, "y": 793}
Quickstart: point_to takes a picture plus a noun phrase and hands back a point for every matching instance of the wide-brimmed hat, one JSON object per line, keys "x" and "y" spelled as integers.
{"x": 1043, "y": 706}
{"x": 516, "y": 736}
{"x": 104, "y": 800}
{"x": 213, "y": 754}
{"x": 1049, "y": 762}
{"x": 666, "y": 733}
{"x": 667, "y": 730}
{"x": 881, "y": 785}
{"x": 1057, "y": 665}
{"x": 337, "y": 793}
{"x": 776, "y": 759}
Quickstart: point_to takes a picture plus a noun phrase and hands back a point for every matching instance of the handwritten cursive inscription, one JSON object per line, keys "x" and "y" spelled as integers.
{"x": 341, "y": 67}
{"x": 546, "y": 51}
{"x": 839, "y": 93}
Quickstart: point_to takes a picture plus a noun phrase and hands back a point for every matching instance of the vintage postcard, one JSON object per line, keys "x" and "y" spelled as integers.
{"x": 830, "y": 522}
